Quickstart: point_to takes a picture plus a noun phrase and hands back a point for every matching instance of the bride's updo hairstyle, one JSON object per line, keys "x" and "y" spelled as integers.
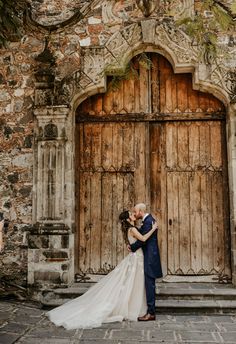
{"x": 125, "y": 224}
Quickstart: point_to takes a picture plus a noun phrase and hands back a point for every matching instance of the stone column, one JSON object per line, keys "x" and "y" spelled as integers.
{"x": 51, "y": 241}
{"x": 231, "y": 138}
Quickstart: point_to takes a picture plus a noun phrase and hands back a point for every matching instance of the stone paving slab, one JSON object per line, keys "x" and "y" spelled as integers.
{"x": 14, "y": 328}
{"x": 22, "y": 324}
{"x": 8, "y": 338}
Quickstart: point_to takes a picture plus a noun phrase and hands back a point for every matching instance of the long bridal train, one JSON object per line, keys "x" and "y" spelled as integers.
{"x": 117, "y": 296}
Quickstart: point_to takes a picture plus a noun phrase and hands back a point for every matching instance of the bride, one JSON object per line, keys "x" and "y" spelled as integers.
{"x": 117, "y": 296}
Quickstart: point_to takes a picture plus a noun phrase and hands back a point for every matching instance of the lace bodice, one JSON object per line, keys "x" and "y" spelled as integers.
{"x": 131, "y": 239}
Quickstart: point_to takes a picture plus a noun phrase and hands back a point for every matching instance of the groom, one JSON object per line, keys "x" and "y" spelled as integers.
{"x": 152, "y": 263}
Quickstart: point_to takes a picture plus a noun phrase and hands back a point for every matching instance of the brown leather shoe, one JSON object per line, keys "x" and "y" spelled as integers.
{"x": 147, "y": 317}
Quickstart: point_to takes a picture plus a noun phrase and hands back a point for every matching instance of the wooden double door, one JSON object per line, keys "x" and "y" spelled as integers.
{"x": 139, "y": 144}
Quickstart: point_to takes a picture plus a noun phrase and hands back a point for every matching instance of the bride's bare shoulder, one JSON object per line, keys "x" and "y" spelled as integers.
{"x": 132, "y": 230}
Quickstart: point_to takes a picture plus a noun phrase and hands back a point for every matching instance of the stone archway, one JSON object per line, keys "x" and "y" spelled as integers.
{"x": 155, "y": 140}
{"x": 146, "y": 35}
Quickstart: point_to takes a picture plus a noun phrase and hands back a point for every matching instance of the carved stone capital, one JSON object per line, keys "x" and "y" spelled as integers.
{"x": 50, "y": 112}
{"x": 51, "y": 123}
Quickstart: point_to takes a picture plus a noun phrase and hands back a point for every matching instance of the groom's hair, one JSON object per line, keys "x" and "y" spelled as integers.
{"x": 141, "y": 206}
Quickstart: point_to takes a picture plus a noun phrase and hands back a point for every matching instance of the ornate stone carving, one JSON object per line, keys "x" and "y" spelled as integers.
{"x": 50, "y": 131}
{"x": 226, "y": 79}
{"x": 112, "y": 12}
{"x": 147, "y": 6}
{"x": 231, "y": 84}
{"x": 181, "y": 8}
{"x": 165, "y": 36}
{"x": 168, "y": 35}
{"x": 117, "y": 46}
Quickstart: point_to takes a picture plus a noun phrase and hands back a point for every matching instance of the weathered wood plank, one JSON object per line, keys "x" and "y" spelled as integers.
{"x": 114, "y": 218}
{"x": 206, "y": 222}
{"x": 85, "y": 233}
{"x": 216, "y": 145}
{"x": 128, "y": 194}
{"x": 95, "y": 222}
{"x": 128, "y": 162}
{"x": 184, "y": 237}
{"x": 218, "y": 228}
{"x": 120, "y": 207}
{"x": 108, "y": 101}
{"x": 182, "y": 92}
{"x": 155, "y": 84}
{"x": 168, "y": 90}
{"x": 164, "y": 74}
{"x": 107, "y": 146}
{"x": 183, "y": 146}
{"x": 194, "y": 218}
{"x": 193, "y": 95}
{"x": 96, "y": 151}
{"x": 106, "y": 244}
{"x": 176, "y": 224}
{"x": 205, "y": 145}
{"x": 194, "y": 145}
{"x": 143, "y": 86}
{"x": 140, "y": 160}
{"x": 171, "y": 146}
{"x": 128, "y": 95}
{"x": 172, "y": 225}
{"x": 87, "y": 145}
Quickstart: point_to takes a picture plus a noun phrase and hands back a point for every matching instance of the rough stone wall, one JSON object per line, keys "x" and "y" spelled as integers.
{"x": 20, "y": 72}
{"x": 16, "y": 155}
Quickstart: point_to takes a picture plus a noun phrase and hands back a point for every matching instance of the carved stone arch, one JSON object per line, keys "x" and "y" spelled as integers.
{"x": 197, "y": 83}
{"x": 146, "y": 36}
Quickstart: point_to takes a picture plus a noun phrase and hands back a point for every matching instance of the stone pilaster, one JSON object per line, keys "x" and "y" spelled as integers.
{"x": 51, "y": 238}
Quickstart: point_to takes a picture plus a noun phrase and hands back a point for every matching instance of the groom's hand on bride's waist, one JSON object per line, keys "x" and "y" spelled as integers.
{"x": 129, "y": 248}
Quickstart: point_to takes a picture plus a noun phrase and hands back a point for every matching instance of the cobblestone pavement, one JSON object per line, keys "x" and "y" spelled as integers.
{"x": 26, "y": 324}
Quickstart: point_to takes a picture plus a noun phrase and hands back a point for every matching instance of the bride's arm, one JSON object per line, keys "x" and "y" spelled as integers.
{"x": 146, "y": 236}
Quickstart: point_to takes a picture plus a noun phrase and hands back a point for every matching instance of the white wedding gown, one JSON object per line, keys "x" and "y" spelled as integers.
{"x": 117, "y": 296}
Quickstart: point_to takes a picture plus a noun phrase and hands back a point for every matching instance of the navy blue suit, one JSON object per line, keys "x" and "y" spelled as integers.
{"x": 152, "y": 262}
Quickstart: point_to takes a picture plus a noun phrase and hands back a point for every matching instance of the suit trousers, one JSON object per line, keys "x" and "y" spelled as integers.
{"x": 150, "y": 293}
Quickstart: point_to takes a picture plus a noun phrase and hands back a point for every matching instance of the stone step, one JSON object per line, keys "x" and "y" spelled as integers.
{"x": 167, "y": 292}
{"x": 170, "y": 297}
{"x": 196, "y": 306}
{"x": 197, "y": 294}
{"x": 176, "y": 306}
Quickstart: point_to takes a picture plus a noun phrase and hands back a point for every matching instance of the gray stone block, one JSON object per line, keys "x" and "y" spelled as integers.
{"x": 52, "y": 276}
{"x": 187, "y": 336}
{"x": 127, "y": 334}
{"x": 160, "y": 335}
{"x": 94, "y": 333}
{"x": 229, "y": 337}
{"x": 14, "y": 328}
{"x": 7, "y": 338}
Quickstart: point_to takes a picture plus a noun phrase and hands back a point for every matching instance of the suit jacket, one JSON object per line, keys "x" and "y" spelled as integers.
{"x": 152, "y": 262}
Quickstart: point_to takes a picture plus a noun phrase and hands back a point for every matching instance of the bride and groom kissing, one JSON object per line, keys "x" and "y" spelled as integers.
{"x": 128, "y": 291}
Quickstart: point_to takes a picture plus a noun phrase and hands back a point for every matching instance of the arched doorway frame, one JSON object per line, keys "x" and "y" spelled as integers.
{"x": 187, "y": 68}
{"x": 97, "y": 63}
